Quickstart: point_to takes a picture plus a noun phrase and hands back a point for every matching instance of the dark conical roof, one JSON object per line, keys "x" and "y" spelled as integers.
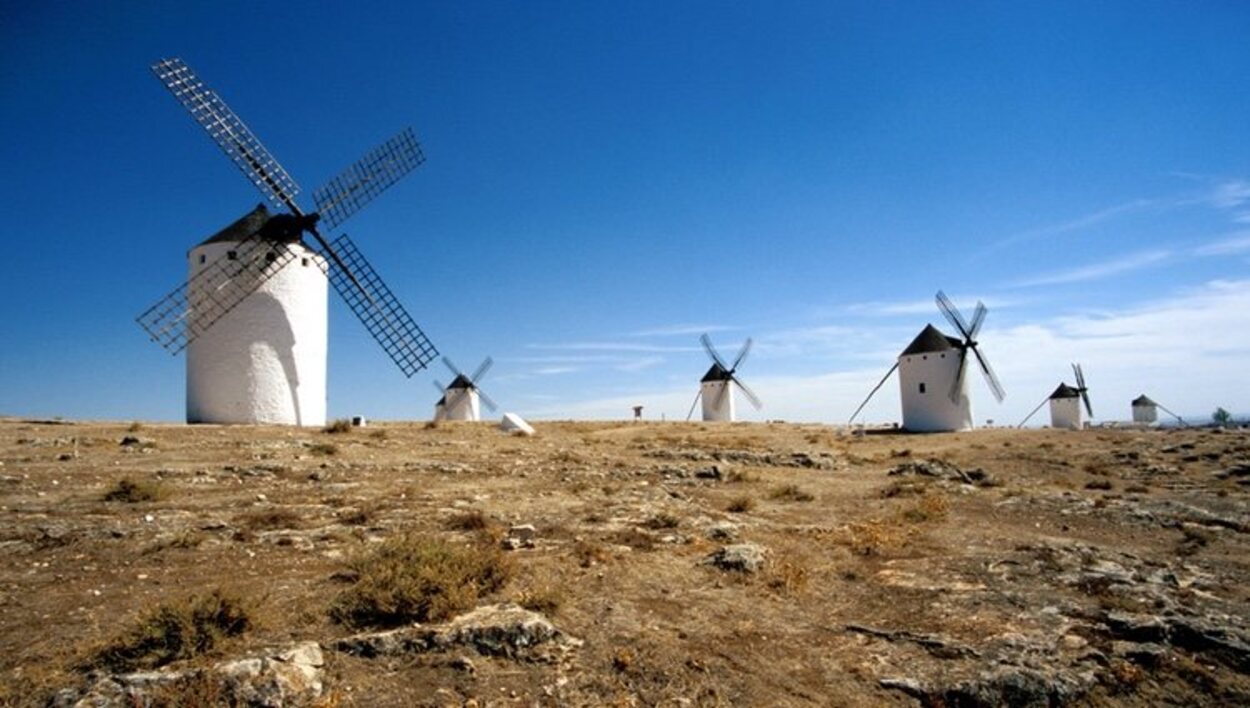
{"x": 1144, "y": 400}
{"x": 441, "y": 402}
{"x": 1065, "y": 391}
{"x": 249, "y": 224}
{"x": 931, "y": 339}
{"x": 716, "y": 373}
{"x": 461, "y": 381}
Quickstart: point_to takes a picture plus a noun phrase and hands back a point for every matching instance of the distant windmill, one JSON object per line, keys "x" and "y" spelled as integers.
{"x": 252, "y": 314}
{"x": 462, "y": 397}
{"x": 1146, "y": 410}
{"x": 1065, "y": 404}
{"x": 716, "y": 387}
{"x": 932, "y": 382}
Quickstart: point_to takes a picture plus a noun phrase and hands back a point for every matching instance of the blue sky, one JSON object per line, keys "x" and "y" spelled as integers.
{"x": 605, "y": 182}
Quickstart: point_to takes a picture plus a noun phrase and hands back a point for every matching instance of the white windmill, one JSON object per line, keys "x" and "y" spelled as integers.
{"x": 931, "y": 373}
{"x": 1145, "y": 410}
{"x": 252, "y": 314}
{"x": 1065, "y": 404}
{"x": 462, "y": 398}
{"x": 716, "y": 386}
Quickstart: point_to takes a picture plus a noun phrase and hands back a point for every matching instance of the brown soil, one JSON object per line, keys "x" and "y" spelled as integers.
{"x": 868, "y": 577}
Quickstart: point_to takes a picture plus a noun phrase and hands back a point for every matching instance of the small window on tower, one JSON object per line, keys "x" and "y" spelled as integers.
{"x": 232, "y": 255}
{"x": 304, "y": 262}
{"x": 271, "y": 257}
{"x": 922, "y": 388}
{"x": 925, "y": 357}
{"x": 943, "y": 356}
{"x": 203, "y": 258}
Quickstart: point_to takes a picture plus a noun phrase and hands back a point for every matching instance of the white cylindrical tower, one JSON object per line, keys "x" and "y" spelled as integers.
{"x": 462, "y": 401}
{"x": 440, "y": 409}
{"x": 265, "y": 360}
{"x": 716, "y": 390}
{"x": 1145, "y": 410}
{"x": 1065, "y": 408}
{"x": 927, "y": 370}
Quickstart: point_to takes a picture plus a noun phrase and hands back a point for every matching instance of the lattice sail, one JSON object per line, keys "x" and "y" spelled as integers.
{"x": 227, "y": 130}
{"x": 191, "y": 308}
{"x": 356, "y": 186}
{"x": 378, "y": 309}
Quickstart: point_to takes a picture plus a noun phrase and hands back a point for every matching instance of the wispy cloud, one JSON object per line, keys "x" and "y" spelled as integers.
{"x": 680, "y": 330}
{"x": 1097, "y": 271}
{"x": 926, "y": 306}
{"x": 1081, "y": 222}
{"x": 641, "y": 363}
{"x": 1233, "y": 243}
{"x": 1230, "y": 194}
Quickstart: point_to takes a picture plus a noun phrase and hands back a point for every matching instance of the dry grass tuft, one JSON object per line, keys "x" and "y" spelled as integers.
{"x": 325, "y": 449}
{"x": 635, "y": 539}
{"x": 930, "y": 507}
{"x": 182, "y": 629}
{"x": 132, "y": 491}
{"x": 741, "y": 477}
{"x": 740, "y": 504}
{"x": 790, "y": 492}
{"x": 874, "y": 537}
{"x": 589, "y": 553}
{"x": 473, "y": 520}
{"x": 662, "y": 521}
{"x": 545, "y": 599}
{"x": 268, "y": 519}
{"x": 414, "y": 578}
{"x": 787, "y": 574}
{"x": 342, "y": 425}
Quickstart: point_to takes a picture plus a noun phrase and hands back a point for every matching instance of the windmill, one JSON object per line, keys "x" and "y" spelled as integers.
{"x": 1065, "y": 404}
{"x": 716, "y": 387}
{"x": 1146, "y": 410}
{"x": 931, "y": 372}
{"x": 252, "y": 314}
{"x": 460, "y": 399}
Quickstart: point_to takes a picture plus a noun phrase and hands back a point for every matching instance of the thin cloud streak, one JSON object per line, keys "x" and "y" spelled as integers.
{"x": 1097, "y": 271}
{"x": 613, "y": 347}
{"x": 1234, "y": 243}
{"x": 681, "y": 330}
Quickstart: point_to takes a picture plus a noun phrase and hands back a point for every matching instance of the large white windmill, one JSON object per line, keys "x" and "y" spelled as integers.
{"x": 931, "y": 373}
{"x": 252, "y": 313}
{"x": 716, "y": 386}
{"x": 1065, "y": 404}
{"x": 462, "y": 398}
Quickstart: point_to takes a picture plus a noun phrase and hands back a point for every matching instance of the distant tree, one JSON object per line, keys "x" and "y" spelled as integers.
{"x": 1222, "y": 417}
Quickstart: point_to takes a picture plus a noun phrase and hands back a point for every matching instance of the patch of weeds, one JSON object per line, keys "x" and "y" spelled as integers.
{"x": 134, "y": 427}
{"x": 414, "y": 578}
{"x": 545, "y": 599}
{"x": 1123, "y": 677}
{"x": 635, "y": 539}
{"x": 787, "y": 574}
{"x": 790, "y": 492}
{"x": 432, "y": 425}
{"x": 900, "y": 453}
{"x": 355, "y": 517}
{"x": 268, "y": 519}
{"x": 186, "y": 539}
{"x": 930, "y": 507}
{"x": 1098, "y": 469}
{"x": 1099, "y": 484}
{"x": 740, "y": 505}
{"x": 473, "y": 520}
{"x": 904, "y": 488}
{"x": 173, "y": 631}
{"x": 342, "y": 425}
{"x": 872, "y": 538}
{"x": 1137, "y": 489}
{"x": 588, "y": 553}
{"x": 379, "y": 435}
{"x": 662, "y": 521}
{"x": 741, "y": 477}
{"x": 324, "y": 449}
{"x": 134, "y": 491}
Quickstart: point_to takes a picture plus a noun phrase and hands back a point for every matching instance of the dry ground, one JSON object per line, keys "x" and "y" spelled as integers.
{"x": 1112, "y": 564}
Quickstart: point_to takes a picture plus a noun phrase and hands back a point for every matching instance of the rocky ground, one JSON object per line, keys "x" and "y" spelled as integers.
{"x": 651, "y": 564}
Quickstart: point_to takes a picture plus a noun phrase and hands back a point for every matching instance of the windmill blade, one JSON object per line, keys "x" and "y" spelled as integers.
{"x": 356, "y": 186}
{"x": 442, "y": 390}
{"x": 952, "y": 314}
{"x": 872, "y": 393}
{"x": 481, "y": 370}
{"x": 742, "y": 353}
{"x": 490, "y": 403}
{"x": 1085, "y": 397}
{"x": 959, "y": 375}
{"x": 720, "y": 395}
{"x": 377, "y": 308}
{"x": 754, "y": 399}
{"x": 192, "y": 308}
{"x": 228, "y": 131}
{"x": 991, "y": 378}
{"x": 1080, "y": 375}
{"x": 711, "y": 351}
{"x": 1165, "y": 410}
{"x": 1034, "y": 411}
{"x": 694, "y": 403}
{"x": 978, "y": 317}
{"x": 455, "y": 370}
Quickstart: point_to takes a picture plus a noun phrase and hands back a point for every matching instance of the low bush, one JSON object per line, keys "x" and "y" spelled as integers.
{"x": 134, "y": 491}
{"x": 173, "y": 631}
{"x": 413, "y": 578}
{"x": 740, "y": 504}
{"x": 790, "y": 492}
{"x": 342, "y": 425}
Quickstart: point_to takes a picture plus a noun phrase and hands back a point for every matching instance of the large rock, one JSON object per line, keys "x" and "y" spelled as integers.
{"x": 741, "y": 557}
{"x": 496, "y": 630}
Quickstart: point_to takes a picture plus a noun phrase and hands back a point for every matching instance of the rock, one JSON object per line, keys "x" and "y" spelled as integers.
{"x": 723, "y": 531}
{"x": 742, "y": 558}
{"x": 520, "y": 536}
{"x": 513, "y": 423}
{"x": 941, "y": 469}
{"x": 130, "y": 440}
{"x": 1147, "y": 654}
{"x": 494, "y": 630}
{"x": 713, "y": 472}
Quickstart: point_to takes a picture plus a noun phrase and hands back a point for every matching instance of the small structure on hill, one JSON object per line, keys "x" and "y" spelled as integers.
{"x": 716, "y": 386}
{"x": 462, "y": 398}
